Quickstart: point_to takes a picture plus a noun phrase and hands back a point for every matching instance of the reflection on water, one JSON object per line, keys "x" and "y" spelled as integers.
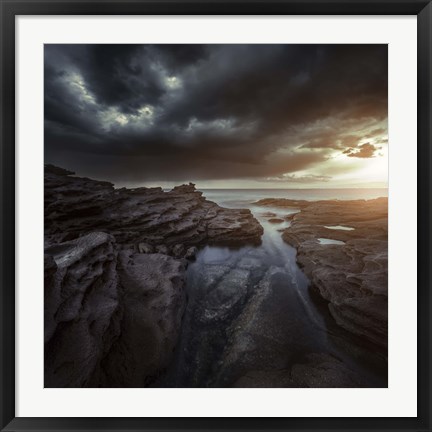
{"x": 251, "y": 308}
{"x": 326, "y": 241}
{"x": 340, "y": 227}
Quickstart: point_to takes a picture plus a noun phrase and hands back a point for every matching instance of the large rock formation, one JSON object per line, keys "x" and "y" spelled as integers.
{"x": 342, "y": 248}
{"x": 115, "y": 262}
{"x": 111, "y": 318}
{"x": 75, "y": 206}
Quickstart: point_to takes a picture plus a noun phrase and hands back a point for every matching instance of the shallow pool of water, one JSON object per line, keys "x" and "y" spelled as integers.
{"x": 327, "y": 241}
{"x": 340, "y": 227}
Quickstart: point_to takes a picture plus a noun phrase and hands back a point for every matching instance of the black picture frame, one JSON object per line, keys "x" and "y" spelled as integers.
{"x": 9, "y": 9}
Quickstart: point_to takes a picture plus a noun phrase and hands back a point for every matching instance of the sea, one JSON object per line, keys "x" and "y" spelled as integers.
{"x": 235, "y": 197}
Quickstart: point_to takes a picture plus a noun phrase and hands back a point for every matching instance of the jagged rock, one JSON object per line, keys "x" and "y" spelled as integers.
{"x": 75, "y": 206}
{"x": 81, "y": 305}
{"x": 145, "y": 248}
{"x": 111, "y": 318}
{"x": 153, "y": 303}
{"x": 189, "y": 188}
{"x": 191, "y": 253}
{"x": 178, "y": 250}
{"x": 162, "y": 249}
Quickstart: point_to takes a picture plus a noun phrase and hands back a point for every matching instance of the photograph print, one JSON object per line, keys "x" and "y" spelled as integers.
{"x": 215, "y": 215}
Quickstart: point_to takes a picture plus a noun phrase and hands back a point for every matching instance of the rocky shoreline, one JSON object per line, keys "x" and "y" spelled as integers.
{"x": 115, "y": 263}
{"x": 342, "y": 248}
{"x": 182, "y": 216}
{"x": 117, "y": 313}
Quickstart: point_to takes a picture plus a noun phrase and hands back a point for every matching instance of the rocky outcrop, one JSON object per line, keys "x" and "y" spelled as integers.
{"x": 351, "y": 275}
{"x": 111, "y": 318}
{"x": 75, "y": 206}
{"x": 81, "y": 308}
{"x": 153, "y": 301}
{"x": 282, "y": 202}
{"x": 275, "y": 220}
{"x": 115, "y": 263}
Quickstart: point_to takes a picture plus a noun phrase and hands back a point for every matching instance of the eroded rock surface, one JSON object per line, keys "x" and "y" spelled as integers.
{"x": 111, "y": 318}
{"x": 75, "y": 206}
{"x": 153, "y": 301}
{"x": 115, "y": 263}
{"x": 82, "y": 309}
{"x": 351, "y": 276}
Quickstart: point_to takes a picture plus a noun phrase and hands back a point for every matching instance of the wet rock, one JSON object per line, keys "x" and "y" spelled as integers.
{"x": 216, "y": 296}
{"x": 81, "y": 305}
{"x": 275, "y": 220}
{"x": 191, "y": 252}
{"x": 153, "y": 303}
{"x": 282, "y": 202}
{"x": 162, "y": 249}
{"x": 75, "y": 206}
{"x": 145, "y": 248}
{"x": 268, "y": 214}
{"x": 254, "y": 337}
{"x": 178, "y": 250}
{"x": 209, "y": 275}
{"x": 111, "y": 318}
{"x": 226, "y": 295}
{"x": 249, "y": 262}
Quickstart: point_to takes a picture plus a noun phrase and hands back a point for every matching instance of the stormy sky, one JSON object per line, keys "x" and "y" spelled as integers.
{"x": 219, "y": 115}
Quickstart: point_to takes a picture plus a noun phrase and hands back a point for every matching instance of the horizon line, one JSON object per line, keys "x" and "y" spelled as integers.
{"x": 330, "y": 188}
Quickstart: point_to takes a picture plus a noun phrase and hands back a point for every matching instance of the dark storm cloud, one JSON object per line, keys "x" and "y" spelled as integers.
{"x": 173, "y": 112}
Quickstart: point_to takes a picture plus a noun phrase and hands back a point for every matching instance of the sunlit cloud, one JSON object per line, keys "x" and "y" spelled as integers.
{"x": 366, "y": 150}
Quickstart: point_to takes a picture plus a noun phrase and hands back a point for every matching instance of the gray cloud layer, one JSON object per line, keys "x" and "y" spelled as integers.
{"x": 180, "y": 112}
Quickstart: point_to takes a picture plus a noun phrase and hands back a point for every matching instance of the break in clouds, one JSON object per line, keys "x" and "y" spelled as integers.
{"x": 270, "y": 114}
